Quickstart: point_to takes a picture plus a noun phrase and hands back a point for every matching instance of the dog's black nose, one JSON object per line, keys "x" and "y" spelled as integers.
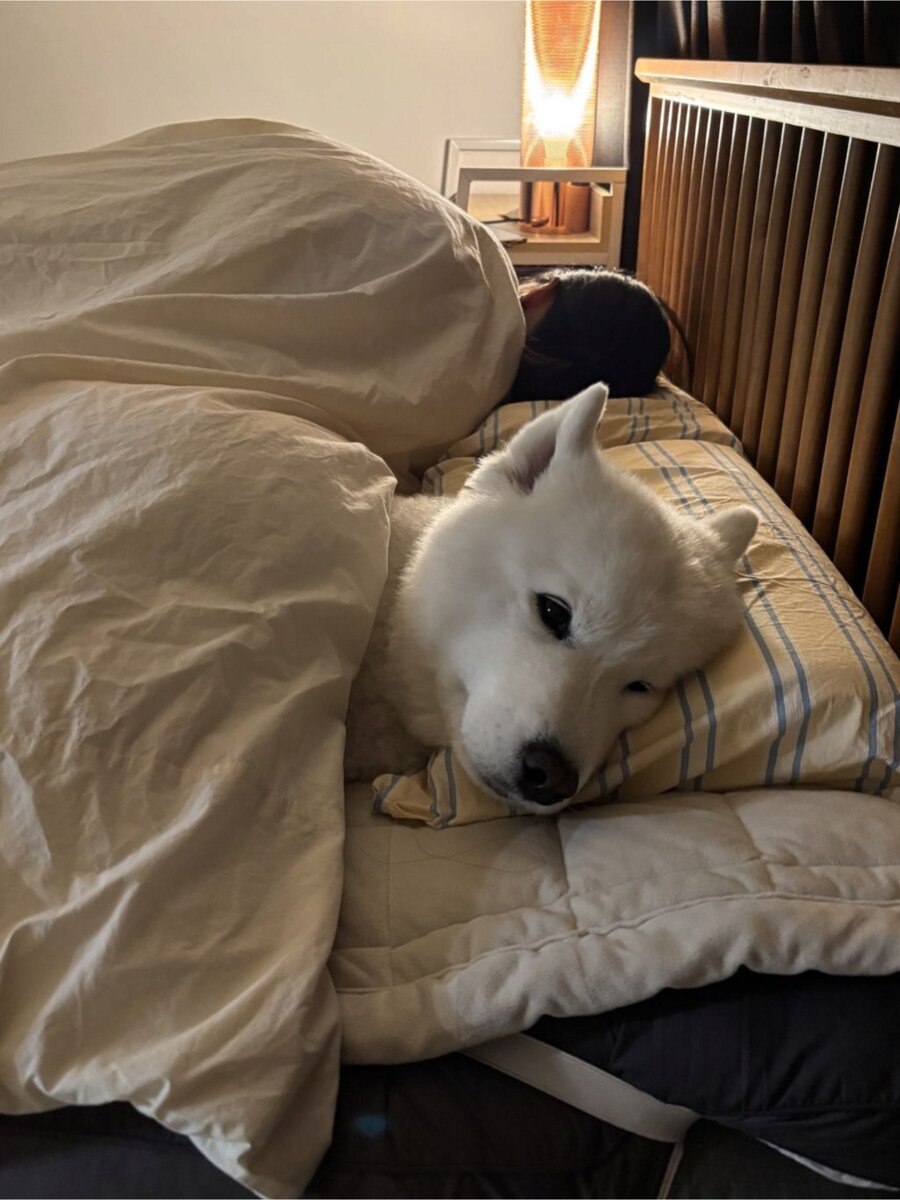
{"x": 545, "y": 774}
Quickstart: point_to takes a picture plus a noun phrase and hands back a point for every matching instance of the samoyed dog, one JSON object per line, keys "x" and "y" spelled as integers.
{"x": 533, "y": 618}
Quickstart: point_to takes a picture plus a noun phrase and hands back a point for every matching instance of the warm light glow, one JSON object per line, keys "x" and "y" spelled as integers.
{"x": 559, "y": 90}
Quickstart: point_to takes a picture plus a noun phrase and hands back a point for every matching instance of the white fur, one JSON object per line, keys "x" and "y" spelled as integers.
{"x": 459, "y": 655}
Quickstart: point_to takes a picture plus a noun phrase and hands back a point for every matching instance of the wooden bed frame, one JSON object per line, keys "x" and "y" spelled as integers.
{"x": 769, "y": 224}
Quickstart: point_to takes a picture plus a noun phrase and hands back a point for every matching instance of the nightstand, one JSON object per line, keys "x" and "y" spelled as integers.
{"x": 600, "y": 245}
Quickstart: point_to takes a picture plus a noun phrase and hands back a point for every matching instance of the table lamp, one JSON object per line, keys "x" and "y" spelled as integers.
{"x": 559, "y": 96}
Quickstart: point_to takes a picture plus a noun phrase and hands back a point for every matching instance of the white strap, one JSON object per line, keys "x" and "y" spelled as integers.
{"x": 671, "y": 1171}
{"x": 586, "y": 1087}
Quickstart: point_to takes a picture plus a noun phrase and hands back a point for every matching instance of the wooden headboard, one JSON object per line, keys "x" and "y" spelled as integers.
{"x": 769, "y": 224}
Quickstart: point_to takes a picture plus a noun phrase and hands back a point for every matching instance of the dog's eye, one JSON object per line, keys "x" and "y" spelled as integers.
{"x": 638, "y": 685}
{"x": 555, "y": 614}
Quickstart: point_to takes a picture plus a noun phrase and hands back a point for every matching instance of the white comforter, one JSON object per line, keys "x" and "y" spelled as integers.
{"x": 198, "y": 329}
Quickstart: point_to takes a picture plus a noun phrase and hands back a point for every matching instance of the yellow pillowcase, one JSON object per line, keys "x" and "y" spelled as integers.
{"x": 808, "y": 694}
{"x": 668, "y": 412}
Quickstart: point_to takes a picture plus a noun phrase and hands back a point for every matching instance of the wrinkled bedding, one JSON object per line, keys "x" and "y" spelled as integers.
{"x": 180, "y": 628}
{"x": 211, "y": 337}
{"x": 204, "y": 379}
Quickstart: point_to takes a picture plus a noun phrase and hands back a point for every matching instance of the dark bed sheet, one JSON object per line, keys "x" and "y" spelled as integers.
{"x": 448, "y": 1128}
{"x": 809, "y": 1062}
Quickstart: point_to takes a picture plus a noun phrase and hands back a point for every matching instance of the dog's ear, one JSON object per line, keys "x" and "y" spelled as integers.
{"x": 566, "y": 432}
{"x": 734, "y": 528}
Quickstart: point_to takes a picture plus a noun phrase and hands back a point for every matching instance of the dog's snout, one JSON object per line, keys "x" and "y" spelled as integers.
{"x": 545, "y": 774}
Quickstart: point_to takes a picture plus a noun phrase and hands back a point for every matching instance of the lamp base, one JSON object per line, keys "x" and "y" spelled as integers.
{"x": 548, "y": 206}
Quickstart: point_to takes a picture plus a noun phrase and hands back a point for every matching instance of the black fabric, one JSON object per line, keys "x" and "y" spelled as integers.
{"x": 451, "y": 1127}
{"x": 720, "y": 1162}
{"x": 838, "y": 32}
{"x": 810, "y": 1063}
{"x": 454, "y": 1129}
{"x": 448, "y": 1128}
{"x": 106, "y": 1151}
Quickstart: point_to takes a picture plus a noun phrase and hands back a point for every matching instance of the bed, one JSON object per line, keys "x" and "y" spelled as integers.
{"x": 784, "y": 886}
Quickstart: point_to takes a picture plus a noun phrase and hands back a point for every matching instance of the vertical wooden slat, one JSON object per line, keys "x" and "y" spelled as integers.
{"x": 881, "y": 212}
{"x": 661, "y": 198}
{"x": 720, "y": 174}
{"x": 820, "y": 385}
{"x": 814, "y": 264}
{"x": 707, "y": 392}
{"x": 724, "y": 394}
{"x": 676, "y": 200}
{"x": 880, "y": 594}
{"x": 651, "y": 154}
{"x": 653, "y": 208}
{"x": 761, "y": 205}
{"x": 769, "y": 283}
{"x": 788, "y": 294}
{"x": 692, "y": 312}
{"x": 682, "y": 186}
{"x": 682, "y": 292}
{"x": 877, "y": 402}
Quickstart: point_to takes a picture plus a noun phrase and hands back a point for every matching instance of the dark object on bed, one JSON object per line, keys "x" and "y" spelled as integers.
{"x": 811, "y": 1063}
{"x": 107, "y": 1152}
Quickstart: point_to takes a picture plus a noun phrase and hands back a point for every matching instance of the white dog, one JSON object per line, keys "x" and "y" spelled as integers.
{"x": 529, "y": 621}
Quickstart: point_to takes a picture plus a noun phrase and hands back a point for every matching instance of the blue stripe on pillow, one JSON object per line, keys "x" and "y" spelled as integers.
{"x": 435, "y": 792}
{"x": 380, "y": 797}
{"x": 684, "y": 767}
{"x": 632, "y": 432}
{"x": 623, "y": 771}
{"x": 713, "y": 726}
{"x": 625, "y": 751}
{"x": 802, "y": 679}
{"x": 451, "y": 782}
{"x": 777, "y": 682}
{"x": 677, "y": 409}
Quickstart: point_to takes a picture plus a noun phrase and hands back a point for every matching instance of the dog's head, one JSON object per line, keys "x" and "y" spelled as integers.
{"x": 558, "y": 600}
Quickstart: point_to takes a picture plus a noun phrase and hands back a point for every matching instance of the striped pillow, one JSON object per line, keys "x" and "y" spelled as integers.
{"x": 668, "y": 412}
{"x": 808, "y": 694}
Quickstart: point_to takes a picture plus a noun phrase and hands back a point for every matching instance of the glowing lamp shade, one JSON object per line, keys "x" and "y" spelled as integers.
{"x": 559, "y": 89}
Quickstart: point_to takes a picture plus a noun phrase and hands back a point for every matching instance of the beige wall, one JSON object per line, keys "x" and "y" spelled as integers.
{"x": 395, "y": 77}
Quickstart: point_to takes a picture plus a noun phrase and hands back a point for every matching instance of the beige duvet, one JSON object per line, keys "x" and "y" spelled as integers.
{"x": 199, "y": 329}
{"x": 211, "y": 337}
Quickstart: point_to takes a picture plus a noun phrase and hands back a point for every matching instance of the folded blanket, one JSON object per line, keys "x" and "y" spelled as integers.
{"x": 451, "y": 937}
